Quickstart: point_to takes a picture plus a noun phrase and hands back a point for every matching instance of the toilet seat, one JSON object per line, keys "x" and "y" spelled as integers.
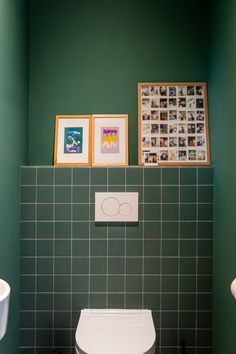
{"x": 115, "y": 332}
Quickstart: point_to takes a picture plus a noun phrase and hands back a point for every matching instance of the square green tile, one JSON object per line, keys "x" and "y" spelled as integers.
{"x": 27, "y": 283}
{"x": 44, "y": 319}
{"x": 62, "y": 248}
{"x": 204, "y": 319}
{"x": 98, "y": 301}
{"x": 188, "y": 175}
{"x": 80, "y": 194}
{"x": 152, "y": 194}
{"x": 170, "y": 175}
{"x": 169, "y": 265}
{"x": 188, "y": 194}
{"x": 28, "y": 176}
{"x": 187, "y": 265}
{"x": 116, "y": 176}
{"x": 27, "y": 212}
{"x": 63, "y": 212}
{"x": 116, "y": 188}
{"x": 133, "y": 301}
{"x": 94, "y": 189}
{"x": 152, "y": 176}
{"x": 205, "y": 194}
{"x": 133, "y": 283}
{"x": 62, "y": 194}
{"x": 169, "y": 283}
{"x": 204, "y": 265}
{"x": 205, "y": 175}
{"x": 45, "y": 176}
{"x": 205, "y": 212}
{"x": 204, "y": 302}
{"x": 170, "y": 229}
{"x": 116, "y": 301}
{"x": 44, "y": 302}
{"x": 152, "y": 301}
{"x": 80, "y": 248}
{"x": 27, "y": 337}
{"x": 169, "y": 319}
{"x": 80, "y": 283}
{"x": 45, "y": 194}
{"x": 188, "y": 229}
{"x": 80, "y": 229}
{"x": 170, "y": 212}
{"x": 81, "y": 176}
{"x": 187, "y": 319}
{"x": 44, "y": 248}
{"x": 80, "y": 212}
{"x": 44, "y": 266}
{"x": 63, "y": 229}
{"x": 79, "y": 302}
{"x": 152, "y": 283}
{"x": 136, "y": 189}
{"x": 134, "y": 248}
{"x": 205, "y": 248}
{"x": 205, "y": 229}
{"x": 134, "y": 265}
{"x": 204, "y": 338}
{"x": 187, "y": 302}
{"x": 116, "y": 265}
{"x": 188, "y": 212}
{"x": 98, "y": 283}
{"x": 27, "y": 302}
{"x": 170, "y": 248}
{"x": 134, "y": 230}
{"x": 62, "y": 302}
{"x": 98, "y": 248}
{"x": 187, "y": 283}
{"x": 152, "y": 265}
{"x": 98, "y": 176}
{"x": 188, "y": 248}
{"x": 204, "y": 283}
{"x": 116, "y": 248}
{"x": 151, "y": 248}
{"x": 27, "y": 266}
{"x": 98, "y": 265}
{"x": 27, "y": 229}
{"x": 134, "y": 176}
{"x": 45, "y": 229}
{"x": 170, "y": 194}
{"x": 28, "y": 194}
{"x": 98, "y": 230}
{"x": 116, "y": 283}
{"x": 45, "y": 212}
{"x": 62, "y": 266}
{"x": 169, "y": 302}
{"x": 152, "y": 229}
{"x": 80, "y": 265}
{"x": 152, "y": 212}
{"x": 63, "y": 176}
{"x": 27, "y": 319}
{"x": 116, "y": 230}
{"x": 62, "y": 283}
{"x": 62, "y": 320}
{"x": 27, "y": 248}
{"x": 44, "y": 283}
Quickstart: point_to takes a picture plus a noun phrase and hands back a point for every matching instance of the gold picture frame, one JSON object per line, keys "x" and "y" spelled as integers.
{"x": 72, "y": 146}
{"x": 173, "y": 123}
{"x": 110, "y": 139}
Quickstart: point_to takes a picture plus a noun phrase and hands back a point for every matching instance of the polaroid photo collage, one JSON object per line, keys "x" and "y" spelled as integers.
{"x": 173, "y": 123}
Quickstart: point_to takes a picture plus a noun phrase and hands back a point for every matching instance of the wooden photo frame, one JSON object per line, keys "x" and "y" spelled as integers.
{"x": 173, "y": 124}
{"x": 110, "y": 139}
{"x": 72, "y": 140}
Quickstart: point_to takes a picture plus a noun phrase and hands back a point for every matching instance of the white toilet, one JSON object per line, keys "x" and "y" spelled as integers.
{"x": 115, "y": 332}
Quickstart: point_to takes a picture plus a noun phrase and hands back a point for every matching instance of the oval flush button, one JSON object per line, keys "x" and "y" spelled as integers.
{"x": 110, "y": 206}
{"x": 125, "y": 209}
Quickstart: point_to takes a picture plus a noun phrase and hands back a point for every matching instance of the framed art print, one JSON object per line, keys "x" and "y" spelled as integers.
{"x": 110, "y": 139}
{"x": 72, "y": 140}
{"x": 173, "y": 124}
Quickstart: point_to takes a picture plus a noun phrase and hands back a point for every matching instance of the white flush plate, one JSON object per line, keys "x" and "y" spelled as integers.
{"x": 116, "y": 206}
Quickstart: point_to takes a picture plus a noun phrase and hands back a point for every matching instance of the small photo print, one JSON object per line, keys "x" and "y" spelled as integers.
{"x": 191, "y": 128}
{"x": 182, "y": 115}
{"x": 182, "y": 129}
{"x": 151, "y": 158}
{"x": 201, "y": 155}
{"x": 164, "y": 155}
{"x": 146, "y": 142}
{"x": 155, "y": 142}
{"x": 182, "y": 91}
{"x": 154, "y": 115}
{"x": 163, "y": 142}
{"x": 163, "y": 128}
{"x": 163, "y": 102}
{"x": 191, "y": 116}
{"x": 73, "y": 140}
{"x": 191, "y": 103}
{"x": 163, "y": 90}
{"x": 110, "y": 140}
{"x": 182, "y": 155}
{"x": 145, "y": 116}
{"x": 200, "y": 128}
{"x": 154, "y": 91}
{"x": 200, "y": 141}
{"x": 163, "y": 115}
{"x": 173, "y": 115}
{"x": 182, "y": 102}
{"x": 192, "y": 155}
{"x": 200, "y": 116}
{"x": 154, "y": 128}
{"x": 190, "y": 91}
{"x": 145, "y": 103}
{"x": 172, "y": 91}
{"x": 199, "y": 103}
{"x": 173, "y": 128}
{"x": 146, "y": 129}
{"x": 182, "y": 141}
{"x": 145, "y": 91}
{"x": 172, "y": 141}
{"x": 155, "y": 103}
{"x": 172, "y": 102}
{"x": 199, "y": 90}
{"x": 173, "y": 155}
{"x": 191, "y": 141}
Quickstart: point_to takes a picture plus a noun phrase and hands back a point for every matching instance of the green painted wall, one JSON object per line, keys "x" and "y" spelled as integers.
{"x": 222, "y": 88}
{"x": 13, "y": 113}
{"x": 87, "y": 56}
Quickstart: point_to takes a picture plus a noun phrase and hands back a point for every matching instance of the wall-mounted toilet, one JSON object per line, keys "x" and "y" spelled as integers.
{"x": 112, "y": 331}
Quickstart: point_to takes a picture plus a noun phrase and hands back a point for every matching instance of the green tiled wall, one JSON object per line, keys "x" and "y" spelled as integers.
{"x": 163, "y": 262}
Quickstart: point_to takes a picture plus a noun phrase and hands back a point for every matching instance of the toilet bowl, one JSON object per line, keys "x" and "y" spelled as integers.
{"x": 112, "y": 331}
